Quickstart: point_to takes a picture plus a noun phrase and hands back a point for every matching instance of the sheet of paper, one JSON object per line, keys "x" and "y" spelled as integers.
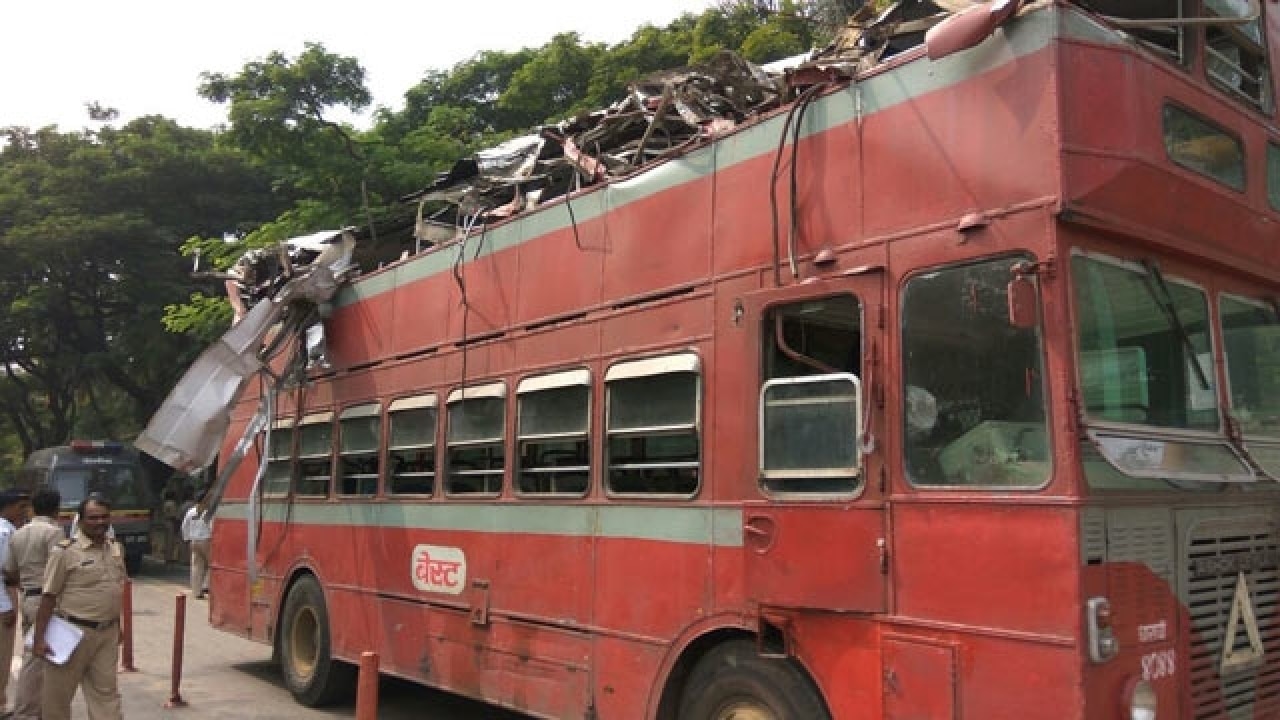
{"x": 62, "y": 638}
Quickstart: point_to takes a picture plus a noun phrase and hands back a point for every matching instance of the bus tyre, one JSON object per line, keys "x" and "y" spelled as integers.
{"x": 310, "y": 672}
{"x": 734, "y": 683}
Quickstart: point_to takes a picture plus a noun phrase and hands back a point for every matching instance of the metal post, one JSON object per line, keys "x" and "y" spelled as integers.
{"x": 126, "y": 628}
{"x": 367, "y": 687}
{"x": 179, "y": 629}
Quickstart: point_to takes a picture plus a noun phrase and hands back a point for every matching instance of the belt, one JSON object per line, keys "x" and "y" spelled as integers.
{"x": 32, "y": 592}
{"x": 91, "y": 624}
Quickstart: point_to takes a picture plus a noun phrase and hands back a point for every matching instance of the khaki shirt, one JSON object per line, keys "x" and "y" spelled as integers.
{"x": 29, "y": 551}
{"x": 88, "y": 579}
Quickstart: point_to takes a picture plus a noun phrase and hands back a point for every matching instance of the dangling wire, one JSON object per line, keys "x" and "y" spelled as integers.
{"x": 794, "y": 115}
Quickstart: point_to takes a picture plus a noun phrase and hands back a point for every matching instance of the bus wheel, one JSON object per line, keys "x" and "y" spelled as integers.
{"x": 734, "y": 683}
{"x": 310, "y": 672}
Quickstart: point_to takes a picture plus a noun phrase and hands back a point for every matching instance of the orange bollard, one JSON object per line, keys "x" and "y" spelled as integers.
{"x": 179, "y": 629}
{"x": 367, "y": 687}
{"x": 126, "y": 628}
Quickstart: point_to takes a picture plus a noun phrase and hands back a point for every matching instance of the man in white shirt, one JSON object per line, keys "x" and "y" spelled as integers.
{"x": 13, "y": 512}
{"x": 198, "y": 532}
{"x": 29, "y": 550}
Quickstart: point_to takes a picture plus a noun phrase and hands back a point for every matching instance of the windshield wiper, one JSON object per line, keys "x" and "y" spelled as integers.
{"x": 1164, "y": 299}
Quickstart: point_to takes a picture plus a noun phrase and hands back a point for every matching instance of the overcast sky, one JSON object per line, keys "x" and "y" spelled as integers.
{"x": 145, "y": 57}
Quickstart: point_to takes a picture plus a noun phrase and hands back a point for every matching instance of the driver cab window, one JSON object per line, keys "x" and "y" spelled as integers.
{"x": 974, "y": 410}
{"x": 810, "y": 399}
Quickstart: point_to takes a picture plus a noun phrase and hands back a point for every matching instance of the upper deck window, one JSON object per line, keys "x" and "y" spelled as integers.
{"x": 1203, "y": 147}
{"x": 552, "y": 439}
{"x": 653, "y": 446}
{"x": 810, "y": 401}
{"x": 1236, "y": 55}
{"x": 1273, "y": 175}
{"x": 476, "y": 440}
{"x": 973, "y": 393}
{"x": 360, "y": 431}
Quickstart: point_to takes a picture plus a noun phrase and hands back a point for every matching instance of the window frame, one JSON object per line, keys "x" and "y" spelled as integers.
{"x": 400, "y": 406}
{"x": 686, "y": 361}
{"x": 1042, "y": 354}
{"x": 284, "y": 457}
{"x": 579, "y": 377}
{"x": 358, "y": 412}
{"x": 496, "y": 390}
{"x": 1169, "y": 148}
{"x": 314, "y": 420}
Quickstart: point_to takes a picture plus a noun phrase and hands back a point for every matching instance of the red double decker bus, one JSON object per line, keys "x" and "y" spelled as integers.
{"x": 965, "y": 404}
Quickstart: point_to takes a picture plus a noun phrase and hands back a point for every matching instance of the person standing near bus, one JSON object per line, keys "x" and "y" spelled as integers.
{"x": 198, "y": 532}
{"x": 29, "y": 550}
{"x": 12, "y": 514}
{"x": 84, "y": 582}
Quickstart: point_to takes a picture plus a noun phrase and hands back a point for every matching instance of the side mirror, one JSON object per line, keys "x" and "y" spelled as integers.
{"x": 967, "y": 28}
{"x": 1022, "y": 303}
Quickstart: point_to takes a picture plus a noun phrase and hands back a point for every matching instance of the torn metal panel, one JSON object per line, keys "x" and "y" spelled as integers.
{"x": 291, "y": 285}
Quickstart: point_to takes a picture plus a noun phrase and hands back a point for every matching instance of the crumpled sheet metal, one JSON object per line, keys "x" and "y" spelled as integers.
{"x": 661, "y": 115}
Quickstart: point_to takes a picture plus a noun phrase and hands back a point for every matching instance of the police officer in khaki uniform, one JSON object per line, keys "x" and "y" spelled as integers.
{"x": 24, "y": 568}
{"x": 84, "y": 583}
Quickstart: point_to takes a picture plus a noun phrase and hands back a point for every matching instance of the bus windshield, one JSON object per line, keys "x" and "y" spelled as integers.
{"x": 118, "y": 482}
{"x": 1146, "y": 375}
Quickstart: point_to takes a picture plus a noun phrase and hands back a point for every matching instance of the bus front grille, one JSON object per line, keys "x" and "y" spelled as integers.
{"x": 1218, "y": 552}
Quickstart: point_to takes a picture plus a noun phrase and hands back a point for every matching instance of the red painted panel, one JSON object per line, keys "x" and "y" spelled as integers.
{"x": 816, "y": 557}
{"x": 571, "y": 266}
{"x": 656, "y": 598}
{"x": 919, "y": 680}
{"x": 644, "y": 253}
{"x": 970, "y": 564}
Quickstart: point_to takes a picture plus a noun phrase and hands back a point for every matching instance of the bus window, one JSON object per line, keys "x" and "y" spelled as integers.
{"x": 315, "y": 455}
{"x": 359, "y": 438}
{"x": 411, "y": 452}
{"x": 1205, "y": 148}
{"x": 552, "y": 420}
{"x": 974, "y": 411}
{"x": 810, "y": 399}
{"x": 476, "y": 461}
{"x": 1251, "y": 336}
{"x": 279, "y": 461}
{"x": 1236, "y": 56}
{"x": 653, "y": 444}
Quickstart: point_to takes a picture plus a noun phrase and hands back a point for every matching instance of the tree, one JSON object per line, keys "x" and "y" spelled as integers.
{"x": 91, "y": 230}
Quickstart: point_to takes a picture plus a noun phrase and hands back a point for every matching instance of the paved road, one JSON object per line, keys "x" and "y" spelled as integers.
{"x": 227, "y": 677}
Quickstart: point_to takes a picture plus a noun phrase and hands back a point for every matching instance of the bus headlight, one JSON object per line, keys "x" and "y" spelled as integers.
{"x": 1140, "y": 699}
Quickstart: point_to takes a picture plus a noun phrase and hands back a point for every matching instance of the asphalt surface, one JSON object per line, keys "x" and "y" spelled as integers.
{"x": 225, "y": 676}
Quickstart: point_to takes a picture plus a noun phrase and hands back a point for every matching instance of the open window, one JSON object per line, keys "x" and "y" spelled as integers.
{"x": 810, "y": 401}
{"x": 411, "y": 446}
{"x": 551, "y": 435}
{"x": 359, "y": 438}
{"x": 315, "y": 455}
{"x": 653, "y": 434}
{"x": 477, "y": 421}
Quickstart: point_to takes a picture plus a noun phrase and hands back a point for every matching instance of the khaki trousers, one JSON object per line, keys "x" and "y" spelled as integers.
{"x": 93, "y": 668}
{"x": 199, "y": 566}
{"x": 6, "y": 648}
{"x": 26, "y": 696}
